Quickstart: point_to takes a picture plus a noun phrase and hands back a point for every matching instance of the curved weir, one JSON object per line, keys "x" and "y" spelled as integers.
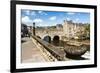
{"x": 74, "y": 51}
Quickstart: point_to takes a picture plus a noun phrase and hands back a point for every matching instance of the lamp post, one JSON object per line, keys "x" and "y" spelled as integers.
{"x": 33, "y": 28}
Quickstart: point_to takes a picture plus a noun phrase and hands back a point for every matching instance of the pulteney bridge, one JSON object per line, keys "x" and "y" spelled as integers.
{"x": 50, "y": 35}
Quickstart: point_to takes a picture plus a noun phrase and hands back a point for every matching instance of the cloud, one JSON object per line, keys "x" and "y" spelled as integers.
{"x": 45, "y": 25}
{"x": 68, "y": 19}
{"x": 26, "y": 20}
{"x": 38, "y": 20}
{"x": 39, "y": 24}
{"x": 27, "y": 12}
{"x": 42, "y": 25}
{"x": 42, "y": 12}
{"x": 76, "y": 20}
{"x": 33, "y": 13}
{"x": 70, "y": 13}
{"x": 53, "y": 18}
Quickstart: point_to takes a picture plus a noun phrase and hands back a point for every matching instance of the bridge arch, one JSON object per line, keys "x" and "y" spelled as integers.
{"x": 56, "y": 40}
{"x": 47, "y": 39}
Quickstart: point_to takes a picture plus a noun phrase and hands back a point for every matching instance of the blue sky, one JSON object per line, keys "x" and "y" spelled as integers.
{"x": 51, "y": 18}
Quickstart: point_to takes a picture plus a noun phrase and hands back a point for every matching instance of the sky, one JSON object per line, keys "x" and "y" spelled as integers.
{"x": 52, "y": 18}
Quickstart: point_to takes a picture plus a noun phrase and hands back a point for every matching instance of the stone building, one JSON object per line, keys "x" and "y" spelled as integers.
{"x": 73, "y": 30}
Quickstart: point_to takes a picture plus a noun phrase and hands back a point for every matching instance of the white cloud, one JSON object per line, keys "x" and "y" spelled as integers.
{"x": 27, "y": 12}
{"x": 53, "y": 18}
{"x": 70, "y": 13}
{"x": 38, "y": 20}
{"x": 76, "y": 20}
{"x": 42, "y": 12}
{"x": 33, "y": 13}
{"x": 39, "y": 25}
{"x": 26, "y": 20}
{"x": 45, "y": 25}
{"x": 68, "y": 19}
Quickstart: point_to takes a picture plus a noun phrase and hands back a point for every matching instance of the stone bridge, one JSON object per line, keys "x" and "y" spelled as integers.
{"x": 50, "y": 35}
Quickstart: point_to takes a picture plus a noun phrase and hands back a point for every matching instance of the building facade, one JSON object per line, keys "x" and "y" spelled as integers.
{"x": 73, "y": 30}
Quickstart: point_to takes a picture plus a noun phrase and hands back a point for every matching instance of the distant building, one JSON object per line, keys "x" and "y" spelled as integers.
{"x": 59, "y": 26}
{"x": 73, "y": 30}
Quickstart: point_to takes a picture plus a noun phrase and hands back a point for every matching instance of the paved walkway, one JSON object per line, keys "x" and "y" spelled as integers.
{"x": 30, "y": 53}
